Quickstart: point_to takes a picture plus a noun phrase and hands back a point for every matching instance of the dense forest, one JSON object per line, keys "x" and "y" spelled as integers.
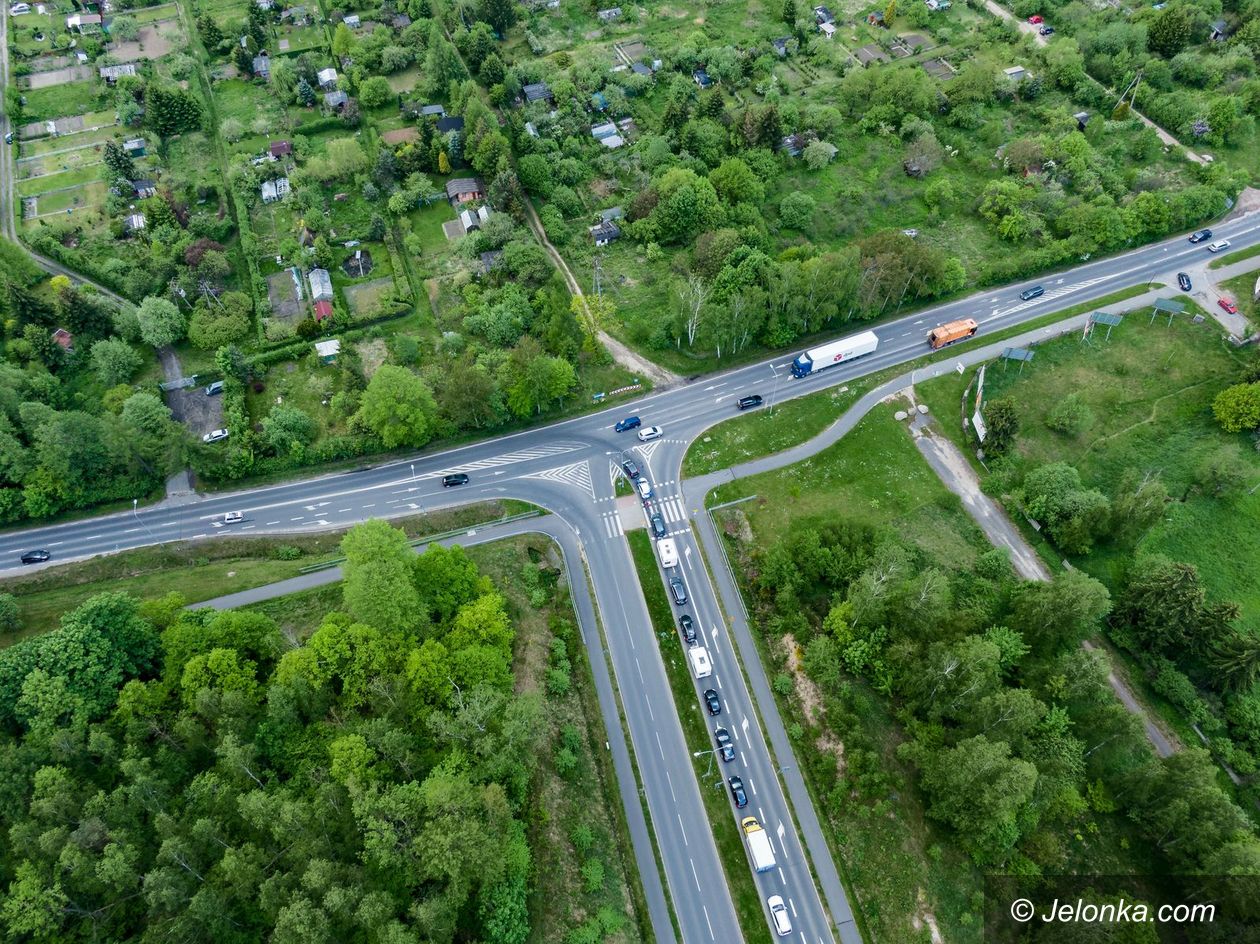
{"x": 1018, "y": 745}
{"x": 194, "y": 775}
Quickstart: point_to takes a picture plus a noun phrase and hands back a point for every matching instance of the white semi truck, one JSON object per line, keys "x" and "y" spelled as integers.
{"x": 837, "y": 352}
{"x": 759, "y": 847}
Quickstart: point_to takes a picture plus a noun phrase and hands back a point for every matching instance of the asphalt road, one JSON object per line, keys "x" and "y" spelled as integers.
{"x": 570, "y": 468}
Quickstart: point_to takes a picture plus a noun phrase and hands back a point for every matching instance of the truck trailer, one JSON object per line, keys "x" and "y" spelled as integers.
{"x": 837, "y": 352}
{"x": 759, "y": 847}
{"x": 952, "y": 331}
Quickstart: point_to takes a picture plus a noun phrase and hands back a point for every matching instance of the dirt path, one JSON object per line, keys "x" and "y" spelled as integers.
{"x": 661, "y": 378}
{"x": 957, "y": 475}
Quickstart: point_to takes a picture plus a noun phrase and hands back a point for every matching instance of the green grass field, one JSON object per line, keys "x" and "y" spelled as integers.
{"x": 204, "y": 569}
{"x": 61, "y": 101}
{"x": 1150, "y": 389}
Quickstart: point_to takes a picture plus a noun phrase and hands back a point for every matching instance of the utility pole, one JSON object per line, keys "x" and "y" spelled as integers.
{"x": 599, "y": 281}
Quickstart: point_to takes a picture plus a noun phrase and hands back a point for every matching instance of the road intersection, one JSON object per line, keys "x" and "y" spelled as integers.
{"x": 569, "y": 468}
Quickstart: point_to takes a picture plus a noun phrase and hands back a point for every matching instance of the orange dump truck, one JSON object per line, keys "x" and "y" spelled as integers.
{"x": 951, "y": 332}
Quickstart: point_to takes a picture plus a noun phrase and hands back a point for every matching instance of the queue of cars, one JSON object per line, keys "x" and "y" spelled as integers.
{"x": 698, "y": 657}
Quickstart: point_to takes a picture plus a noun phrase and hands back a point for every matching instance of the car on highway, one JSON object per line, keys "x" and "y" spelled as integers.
{"x": 725, "y": 748}
{"x": 779, "y": 916}
{"x": 658, "y": 527}
{"x": 644, "y": 488}
{"x": 747, "y": 403}
{"x": 688, "y": 627}
{"x": 1227, "y": 305}
{"x": 457, "y": 478}
{"x": 737, "y": 792}
{"x": 1046, "y": 31}
{"x": 1219, "y": 245}
{"x": 630, "y": 422}
{"x": 1035, "y": 19}
{"x": 711, "y": 702}
{"x": 668, "y": 551}
{"x": 1035, "y": 292}
{"x": 215, "y": 435}
{"x": 678, "y": 590}
{"x": 35, "y": 557}
{"x": 214, "y": 388}
{"x": 632, "y": 468}
{"x": 234, "y": 517}
{"x": 652, "y": 432}
{"x": 1183, "y": 281}
{"x": 1200, "y": 235}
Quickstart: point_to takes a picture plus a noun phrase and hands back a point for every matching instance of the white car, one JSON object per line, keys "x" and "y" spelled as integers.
{"x": 650, "y": 432}
{"x": 18, "y": 9}
{"x": 779, "y": 916}
{"x": 234, "y": 517}
{"x": 1217, "y": 246}
{"x": 215, "y": 435}
{"x": 644, "y": 488}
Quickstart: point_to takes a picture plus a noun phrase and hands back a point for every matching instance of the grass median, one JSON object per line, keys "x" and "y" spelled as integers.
{"x": 695, "y": 725}
{"x": 1242, "y": 254}
{"x": 762, "y": 433}
{"x": 202, "y": 570}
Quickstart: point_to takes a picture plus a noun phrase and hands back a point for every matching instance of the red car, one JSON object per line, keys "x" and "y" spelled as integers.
{"x": 1035, "y": 19}
{"x": 1227, "y": 305}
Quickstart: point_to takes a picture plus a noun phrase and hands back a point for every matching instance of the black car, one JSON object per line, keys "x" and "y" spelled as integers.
{"x": 658, "y": 527}
{"x": 35, "y": 557}
{"x": 1047, "y": 31}
{"x": 737, "y": 792}
{"x": 678, "y": 590}
{"x": 450, "y": 481}
{"x": 1183, "y": 280}
{"x": 712, "y": 702}
{"x": 1200, "y": 236}
{"x": 747, "y": 403}
{"x": 688, "y": 628}
{"x": 725, "y": 749}
{"x": 632, "y": 468}
{"x": 1035, "y": 292}
{"x": 630, "y": 422}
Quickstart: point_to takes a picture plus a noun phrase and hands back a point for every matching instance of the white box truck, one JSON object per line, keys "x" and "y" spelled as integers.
{"x": 668, "y": 551}
{"x": 700, "y": 664}
{"x": 759, "y": 847}
{"x": 837, "y": 352}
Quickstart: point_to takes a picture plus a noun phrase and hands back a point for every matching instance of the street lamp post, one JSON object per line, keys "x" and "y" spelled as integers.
{"x": 135, "y": 502}
{"x": 413, "y": 473}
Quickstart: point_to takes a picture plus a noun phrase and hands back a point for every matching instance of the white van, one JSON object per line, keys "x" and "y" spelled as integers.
{"x": 668, "y": 551}
{"x": 701, "y": 667}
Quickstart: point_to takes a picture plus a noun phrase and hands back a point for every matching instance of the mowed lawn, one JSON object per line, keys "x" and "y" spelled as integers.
{"x": 873, "y": 476}
{"x": 1150, "y": 389}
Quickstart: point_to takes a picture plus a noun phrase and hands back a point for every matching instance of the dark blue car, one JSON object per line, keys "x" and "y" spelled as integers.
{"x": 630, "y": 422}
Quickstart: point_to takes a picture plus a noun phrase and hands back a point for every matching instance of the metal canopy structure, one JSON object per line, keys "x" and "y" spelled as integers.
{"x": 1168, "y": 307}
{"x": 1101, "y": 318}
{"x": 1021, "y": 354}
